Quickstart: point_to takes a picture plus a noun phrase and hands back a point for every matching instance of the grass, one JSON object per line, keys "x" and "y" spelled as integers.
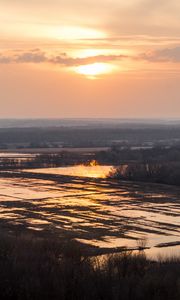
{"x": 43, "y": 268}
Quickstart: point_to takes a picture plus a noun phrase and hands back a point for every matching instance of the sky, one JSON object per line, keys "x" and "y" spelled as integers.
{"x": 89, "y": 58}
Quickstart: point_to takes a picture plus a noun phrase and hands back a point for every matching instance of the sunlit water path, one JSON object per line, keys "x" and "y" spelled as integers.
{"x": 97, "y": 171}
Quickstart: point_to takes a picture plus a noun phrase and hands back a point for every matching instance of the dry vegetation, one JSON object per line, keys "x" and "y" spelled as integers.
{"x": 39, "y": 268}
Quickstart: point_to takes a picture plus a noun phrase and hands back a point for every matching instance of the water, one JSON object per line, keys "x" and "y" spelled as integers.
{"x": 17, "y": 156}
{"x": 95, "y": 212}
{"x": 79, "y": 170}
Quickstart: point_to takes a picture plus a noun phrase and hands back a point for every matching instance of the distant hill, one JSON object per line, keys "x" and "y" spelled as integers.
{"x": 86, "y": 122}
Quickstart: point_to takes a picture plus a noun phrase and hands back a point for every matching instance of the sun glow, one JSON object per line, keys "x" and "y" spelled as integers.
{"x": 93, "y": 70}
{"x": 91, "y": 52}
{"x": 78, "y": 33}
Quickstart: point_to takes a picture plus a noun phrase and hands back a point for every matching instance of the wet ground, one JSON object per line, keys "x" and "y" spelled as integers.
{"x": 95, "y": 211}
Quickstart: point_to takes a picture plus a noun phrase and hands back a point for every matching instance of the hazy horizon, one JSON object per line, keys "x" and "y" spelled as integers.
{"x": 85, "y": 122}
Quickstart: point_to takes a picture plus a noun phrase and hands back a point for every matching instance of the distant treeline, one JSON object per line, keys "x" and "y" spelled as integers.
{"x": 117, "y": 155}
{"x": 39, "y": 268}
{"x": 159, "y": 164}
{"x": 61, "y": 159}
{"x": 135, "y": 158}
{"x": 88, "y": 136}
{"x": 165, "y": 173}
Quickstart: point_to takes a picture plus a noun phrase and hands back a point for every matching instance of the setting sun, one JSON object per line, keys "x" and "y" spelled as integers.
{"x": 94, "y": 69}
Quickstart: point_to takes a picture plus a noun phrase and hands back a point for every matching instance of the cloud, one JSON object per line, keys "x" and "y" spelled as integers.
{"x": 70, "y": 61}
{"x": 36, "y": 56}
{"x": 29, "y": 57}
{"x": 164, "y": 55}
{"x": 33, "y": 56}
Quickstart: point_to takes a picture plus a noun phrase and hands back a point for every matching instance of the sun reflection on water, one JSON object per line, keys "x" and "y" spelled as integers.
{"x": 92, "y": 169}
{"x": 100, "y": 213}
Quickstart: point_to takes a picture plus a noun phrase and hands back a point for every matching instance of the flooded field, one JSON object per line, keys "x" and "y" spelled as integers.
{"x": 95, "y": 211}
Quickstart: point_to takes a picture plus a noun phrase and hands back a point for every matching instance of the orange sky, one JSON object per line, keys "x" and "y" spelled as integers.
{"x": 87, "y": 58}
